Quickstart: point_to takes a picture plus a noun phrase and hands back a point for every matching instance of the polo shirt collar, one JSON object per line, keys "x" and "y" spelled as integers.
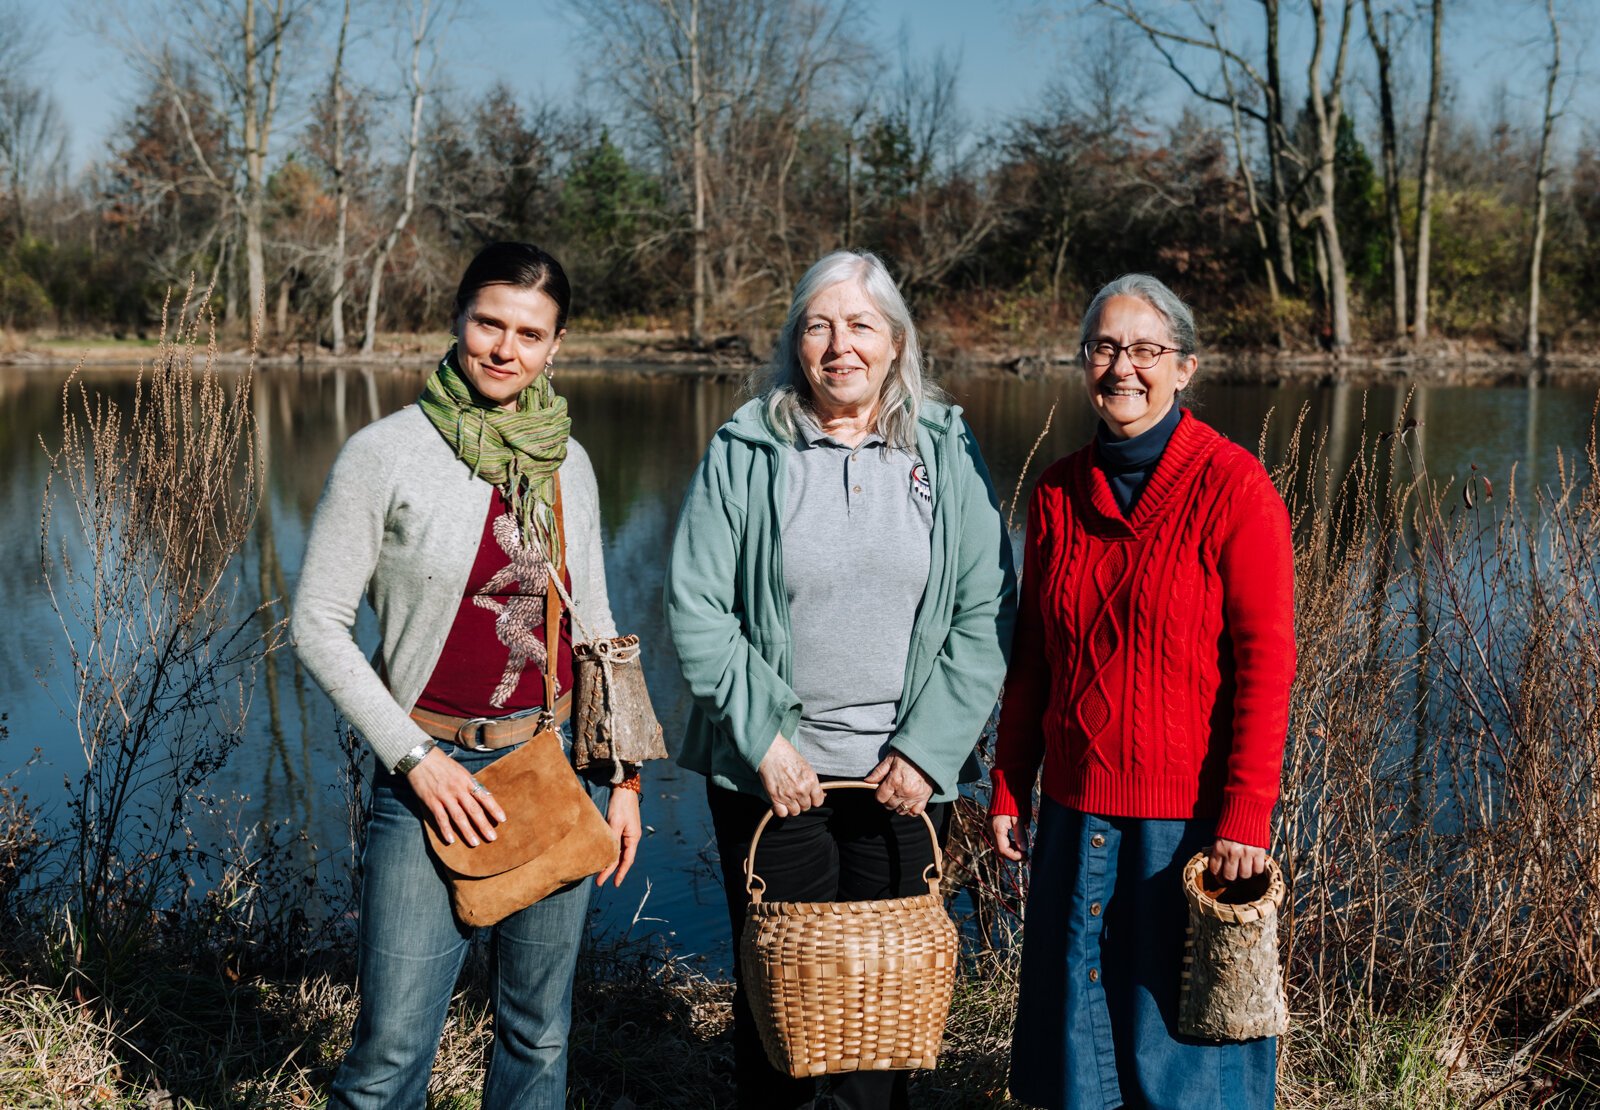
{"x": 811, "y": 434}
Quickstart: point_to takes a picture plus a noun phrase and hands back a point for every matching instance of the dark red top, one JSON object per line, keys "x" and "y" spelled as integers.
{"x": 1153, "y": 656}
{"x": 494, "y": 656}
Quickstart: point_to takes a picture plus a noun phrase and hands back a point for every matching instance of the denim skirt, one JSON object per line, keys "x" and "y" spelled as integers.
{"x": 1102, "y": 960}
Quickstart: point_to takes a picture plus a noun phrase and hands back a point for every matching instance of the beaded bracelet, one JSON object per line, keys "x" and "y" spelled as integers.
{"x": 632, "y": 783}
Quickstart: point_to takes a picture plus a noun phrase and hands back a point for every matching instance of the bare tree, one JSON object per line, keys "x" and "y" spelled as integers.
{"x": 1280, "y": 151}
{"x": 1541, "y": 179}
{"x": 720, "y": 88}
{"x": 341, "y": 186}
{"x": 423, "y": 19}
{"x": 1247, "y": 175}
{"x": 1382, "y": 49}
{"x": 1286, "y": 169}
{"x": 33, "y": 140}
{"x": 243, "y": 48}
{"x": 941, "y": 212}
{"x": 33, "y": 144}
{"x": 656, "y": 50}
{"x": 1430, "y": 135}
{"x": 1326, "y": 110}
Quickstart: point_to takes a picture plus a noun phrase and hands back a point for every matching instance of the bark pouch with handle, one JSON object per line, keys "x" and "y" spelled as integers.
{"x": 1232, "y": 982}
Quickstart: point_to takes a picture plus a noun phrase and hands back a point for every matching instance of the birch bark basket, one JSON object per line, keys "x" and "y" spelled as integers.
{"x": 1232, "y": 983}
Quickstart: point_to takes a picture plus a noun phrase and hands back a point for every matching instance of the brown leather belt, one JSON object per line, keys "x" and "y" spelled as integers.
{"x": 491, "y": 733}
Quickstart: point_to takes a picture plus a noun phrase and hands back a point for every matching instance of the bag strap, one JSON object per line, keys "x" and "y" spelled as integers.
{"x": 557, "y": 575}
{"x": 755, "y": 885}
{"x": 552, "y": 614}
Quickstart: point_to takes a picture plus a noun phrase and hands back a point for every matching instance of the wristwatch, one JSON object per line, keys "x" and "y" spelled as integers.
{"x": 414, "y": 757}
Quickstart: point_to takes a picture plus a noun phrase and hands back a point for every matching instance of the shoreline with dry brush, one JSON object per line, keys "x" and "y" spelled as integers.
{"x": 950, "y": 355}
{"x": 1439, "y": 828}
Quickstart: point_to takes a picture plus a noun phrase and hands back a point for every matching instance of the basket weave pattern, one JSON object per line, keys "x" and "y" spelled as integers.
{"x": 849, "y": 986}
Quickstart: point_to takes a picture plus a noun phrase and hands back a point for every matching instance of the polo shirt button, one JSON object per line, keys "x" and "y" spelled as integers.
{"x": 1094, "y": 975}
{"x": 855, "y": 489}
{"x": 1098, "y": 840}
{"x": 1094, "y": 909}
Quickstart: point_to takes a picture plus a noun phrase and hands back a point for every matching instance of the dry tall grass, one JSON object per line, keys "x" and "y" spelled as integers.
{"x": 1439, "y": 821}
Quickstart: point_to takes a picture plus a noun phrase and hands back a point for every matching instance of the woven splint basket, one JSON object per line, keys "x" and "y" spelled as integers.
{"x": 1232, "y": 982}
{"x": 849, "y": 986}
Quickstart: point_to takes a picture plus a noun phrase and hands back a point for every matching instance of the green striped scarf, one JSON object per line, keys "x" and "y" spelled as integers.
{"x": 517, "y": 451}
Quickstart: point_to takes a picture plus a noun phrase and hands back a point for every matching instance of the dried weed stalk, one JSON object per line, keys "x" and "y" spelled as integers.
{"x": 144, "y": 514}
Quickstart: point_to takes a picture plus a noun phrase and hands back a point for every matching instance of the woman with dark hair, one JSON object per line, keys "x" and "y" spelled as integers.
{"x": 1150, "y": 678}
{"x": 840, "y": 594}
{"x": 445, "y": 516}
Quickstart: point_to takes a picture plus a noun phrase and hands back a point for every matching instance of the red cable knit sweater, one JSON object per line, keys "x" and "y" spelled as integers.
{"x": 1153, "y": 655}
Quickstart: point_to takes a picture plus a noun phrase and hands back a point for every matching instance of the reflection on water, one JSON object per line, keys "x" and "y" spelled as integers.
{"x": 645, "y": 434}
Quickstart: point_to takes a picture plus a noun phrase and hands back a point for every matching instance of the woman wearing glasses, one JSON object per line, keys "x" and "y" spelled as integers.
{"x": 1150, "y": 678}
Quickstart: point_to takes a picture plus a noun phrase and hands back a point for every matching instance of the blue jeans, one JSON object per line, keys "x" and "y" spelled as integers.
{"x": 411, "y": 952}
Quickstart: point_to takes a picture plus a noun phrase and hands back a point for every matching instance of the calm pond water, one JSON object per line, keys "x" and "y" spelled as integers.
{"x": 645, "y": 432}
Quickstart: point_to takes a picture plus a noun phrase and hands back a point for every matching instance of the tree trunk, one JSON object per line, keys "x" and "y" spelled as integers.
{"x": 259, "y": 101}
{"x": 280, "y": 322}
{"x": 230, "y": 284}
{"x": 697, "y": 126}
{"x": 1541, "y": 180}
{"x": 419, "y": 94}
{"x": 255, "y": 264}
{"x": 1277, "y": 140}
{"x": 1058, "y": 265}
{"x": 850, "y": 189}
{"x": 1430, "y": 134}
{"x": 341, "y": 188}
{"x": 1326, "y": 112}
{"x": 1381, "y": 45}
{"x": 1257, "y": 218}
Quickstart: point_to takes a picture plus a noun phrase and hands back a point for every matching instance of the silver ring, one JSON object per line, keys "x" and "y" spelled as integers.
{"x": 479, "y": 788}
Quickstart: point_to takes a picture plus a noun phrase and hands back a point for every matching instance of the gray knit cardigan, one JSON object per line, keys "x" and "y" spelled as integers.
{"x": 400, "y": 520}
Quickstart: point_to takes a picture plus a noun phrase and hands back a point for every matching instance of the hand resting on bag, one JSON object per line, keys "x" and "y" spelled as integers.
{"x": 445, "y": 787}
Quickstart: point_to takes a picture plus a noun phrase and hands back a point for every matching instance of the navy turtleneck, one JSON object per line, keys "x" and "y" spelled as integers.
{"x": 1127, "y": 463}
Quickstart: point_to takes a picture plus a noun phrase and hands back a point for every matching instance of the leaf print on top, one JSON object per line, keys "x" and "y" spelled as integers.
{"x": 519, "y": 615}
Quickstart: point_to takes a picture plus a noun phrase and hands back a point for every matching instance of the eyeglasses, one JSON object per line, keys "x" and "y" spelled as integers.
{"x": 1103, "y": 353}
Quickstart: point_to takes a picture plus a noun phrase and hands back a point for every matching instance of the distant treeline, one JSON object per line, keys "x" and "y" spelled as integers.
{"x": 725, "y": 144}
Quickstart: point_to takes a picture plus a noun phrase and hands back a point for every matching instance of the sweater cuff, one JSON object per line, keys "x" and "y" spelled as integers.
{"x": 1010, "y": 796}
{"x": 1246, "y": 820}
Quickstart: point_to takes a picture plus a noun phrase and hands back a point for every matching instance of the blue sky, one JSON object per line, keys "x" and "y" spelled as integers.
{"x": 1010, "y": 50}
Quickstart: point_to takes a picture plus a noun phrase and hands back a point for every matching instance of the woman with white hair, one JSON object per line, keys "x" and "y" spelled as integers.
{"x": 1150, "y": 686}
{"x": 840, "y": 594}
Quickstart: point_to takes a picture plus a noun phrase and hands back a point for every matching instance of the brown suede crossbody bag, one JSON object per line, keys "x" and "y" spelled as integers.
{"x": 552, "y": 835}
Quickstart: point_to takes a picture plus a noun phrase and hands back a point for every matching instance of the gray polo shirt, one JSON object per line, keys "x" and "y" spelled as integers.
{"x": 857, "y": 536}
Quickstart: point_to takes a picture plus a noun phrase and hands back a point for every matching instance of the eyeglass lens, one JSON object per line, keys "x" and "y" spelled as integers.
{"x": 1142, "y": 355}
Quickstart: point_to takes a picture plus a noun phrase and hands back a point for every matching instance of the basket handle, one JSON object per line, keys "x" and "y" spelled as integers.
{"x": 755, "y": 885}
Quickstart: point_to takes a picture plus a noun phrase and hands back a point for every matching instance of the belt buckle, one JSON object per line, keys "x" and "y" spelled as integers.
{"x": 470, "y": 724}
{"x": 548, "y": 720}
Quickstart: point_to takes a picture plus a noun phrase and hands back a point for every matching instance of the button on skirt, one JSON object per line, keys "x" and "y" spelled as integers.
{"x": 1102, "y": 960}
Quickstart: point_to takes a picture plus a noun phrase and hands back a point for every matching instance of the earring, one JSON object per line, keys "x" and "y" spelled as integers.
{"x": 550, "y": 367}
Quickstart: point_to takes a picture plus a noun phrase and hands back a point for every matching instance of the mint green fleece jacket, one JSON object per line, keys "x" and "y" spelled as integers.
{"x": 728, "y": 611}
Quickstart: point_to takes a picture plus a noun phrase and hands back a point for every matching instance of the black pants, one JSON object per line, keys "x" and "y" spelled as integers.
{"x": 848, "y": 849}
